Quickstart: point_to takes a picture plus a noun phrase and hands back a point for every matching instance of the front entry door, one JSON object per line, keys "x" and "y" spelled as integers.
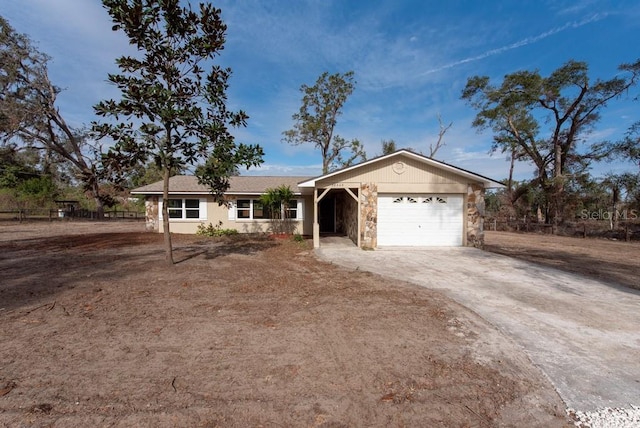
{"x": 327, "y": 214}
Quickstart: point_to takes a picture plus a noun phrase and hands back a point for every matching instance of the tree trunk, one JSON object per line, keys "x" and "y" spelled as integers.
{"x": 96, "y": 197}
{"x": 558, "y": 187}
{"x": 165, "y": 217}
{"x": 614, "y": 214}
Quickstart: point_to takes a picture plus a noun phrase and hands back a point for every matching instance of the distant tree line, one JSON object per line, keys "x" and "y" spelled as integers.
{"x": 547, "y": 121}
{"x": 172, "y": 117}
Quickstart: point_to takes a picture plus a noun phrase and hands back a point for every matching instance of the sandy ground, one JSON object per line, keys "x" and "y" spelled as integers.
{"x": 603, "y": 259}
{"x": 97, "y": 331}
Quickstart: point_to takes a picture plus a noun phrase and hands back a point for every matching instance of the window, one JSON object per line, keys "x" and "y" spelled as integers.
{"x": 175, "y": 208}
{"x": 184, "y": 208}
{"x": 260, "y": 211}
{"x": 244, "y": 208}
{"x": 192, "y": 208}
{"x": 253, "y": 209}
{"x": 292, "y": 210}
{"x": 434, "y": 200}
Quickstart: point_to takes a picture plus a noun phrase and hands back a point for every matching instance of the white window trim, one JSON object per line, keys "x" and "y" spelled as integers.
{"x": 202, "y": 209}
{"x": 233, "y": 210}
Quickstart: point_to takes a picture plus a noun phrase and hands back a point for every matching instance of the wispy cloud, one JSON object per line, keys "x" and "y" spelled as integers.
{"x": 518, "y": 44}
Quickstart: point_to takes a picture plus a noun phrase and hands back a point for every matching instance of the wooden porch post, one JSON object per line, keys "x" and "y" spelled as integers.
{"x": 316, "y": 225}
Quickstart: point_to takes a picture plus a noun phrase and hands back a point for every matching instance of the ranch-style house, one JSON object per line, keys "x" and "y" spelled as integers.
{"x": 400, "y": 199}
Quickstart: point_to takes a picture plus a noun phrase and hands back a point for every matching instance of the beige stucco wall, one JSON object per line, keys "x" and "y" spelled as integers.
{"x": 408, "y": 175}
{"x": 220, "y": 213}
{"x": 405, "y": 175}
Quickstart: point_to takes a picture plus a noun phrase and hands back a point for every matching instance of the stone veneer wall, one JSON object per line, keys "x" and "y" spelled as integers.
{"x": 151, "y": 214}
{"x": 350, "y": 217}
{"x": 369, "y": 215}
{"x": 475, "y": 216}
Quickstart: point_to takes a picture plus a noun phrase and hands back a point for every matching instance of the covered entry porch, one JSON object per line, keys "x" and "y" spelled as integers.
{"x": 335, "y": 213}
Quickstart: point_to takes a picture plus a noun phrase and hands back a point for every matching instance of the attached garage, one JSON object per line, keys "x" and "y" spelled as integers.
{"x": 401, "y": 199}
{"x": 415, "y": 220}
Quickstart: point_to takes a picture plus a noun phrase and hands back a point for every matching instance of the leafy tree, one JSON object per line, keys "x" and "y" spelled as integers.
{"x": 22, "y": 184}
{"x": 170, "y": 110}
{"x": 143, "y": 174}
{"x": 627, "y": 148}
{"x": 388, "y": 147}
{"x": 29, "y": 116}
{"x": 275, "y": 201}
{"x": 315, "y": 122}
{"x": 544, "y": 118}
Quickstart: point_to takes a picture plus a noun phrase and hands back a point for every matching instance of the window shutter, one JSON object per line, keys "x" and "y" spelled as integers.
{"x": 160, "y": 203}
{"x": 300, "y": 210}
{"x": 203, "y": 209}
{"x": 231, "y": 210}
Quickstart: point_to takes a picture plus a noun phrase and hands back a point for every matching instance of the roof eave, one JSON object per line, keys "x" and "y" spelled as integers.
{"x": 486, "y": 181}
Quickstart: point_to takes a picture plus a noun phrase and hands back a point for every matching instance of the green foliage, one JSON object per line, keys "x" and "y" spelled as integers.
{"x": 180, "y": 112}
{"x": 542, "y": 119}
{"x": 173, "y": 105}
{"x": 315, "y": 122}
{"x": 276, "y": 201}
{"x": 30, "y": 118}
{"x": 23, "y": 185}
{"x": 388, "y": 147}
{"x": 298, "y": 238}
{"x": 215, "y": 231}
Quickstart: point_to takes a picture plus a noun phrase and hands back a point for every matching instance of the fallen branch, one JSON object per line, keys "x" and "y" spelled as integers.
{"x": 51, "y": 306}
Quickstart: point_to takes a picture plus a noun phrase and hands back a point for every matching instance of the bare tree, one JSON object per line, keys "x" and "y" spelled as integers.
{"x": 433, "y": 149}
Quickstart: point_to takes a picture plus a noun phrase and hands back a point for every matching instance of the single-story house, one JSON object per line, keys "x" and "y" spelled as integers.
{"x": 400, "y": 199}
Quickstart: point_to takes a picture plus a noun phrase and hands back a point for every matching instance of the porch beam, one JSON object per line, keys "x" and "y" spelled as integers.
{"x": 319, "y": 198}
{"x": 351, "y": 193}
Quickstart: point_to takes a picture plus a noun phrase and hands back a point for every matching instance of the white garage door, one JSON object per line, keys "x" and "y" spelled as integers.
{"x": 420, "y": 220}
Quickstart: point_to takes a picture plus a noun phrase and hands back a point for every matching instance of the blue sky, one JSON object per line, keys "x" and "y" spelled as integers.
{"x": 411, "y": 61}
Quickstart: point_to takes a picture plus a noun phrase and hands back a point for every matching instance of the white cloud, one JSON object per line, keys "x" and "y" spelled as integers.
{"x": 524, "y": 42}
{"x": 312, "y": 170}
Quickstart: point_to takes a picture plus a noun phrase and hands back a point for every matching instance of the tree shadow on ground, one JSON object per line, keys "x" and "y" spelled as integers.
{"x": 35, "y": 271}
{"x": 212, "y": 248}
{"x": 618, "y": 275}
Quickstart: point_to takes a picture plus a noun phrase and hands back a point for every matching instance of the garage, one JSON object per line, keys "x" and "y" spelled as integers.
{"x": 420, "y": 220}
{"x": 401, "y": 199}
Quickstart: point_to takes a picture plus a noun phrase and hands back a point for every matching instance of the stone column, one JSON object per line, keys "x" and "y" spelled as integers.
{"x": 151, "y": 214}
{"x": 368, "y": 215}
{"x": 475, "y": 216}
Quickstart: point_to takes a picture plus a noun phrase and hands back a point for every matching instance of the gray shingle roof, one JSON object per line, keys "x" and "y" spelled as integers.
{"x": 238, "y": 185}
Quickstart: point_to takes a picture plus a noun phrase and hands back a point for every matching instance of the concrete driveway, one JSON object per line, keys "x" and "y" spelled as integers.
{"x": 583, "y": 334}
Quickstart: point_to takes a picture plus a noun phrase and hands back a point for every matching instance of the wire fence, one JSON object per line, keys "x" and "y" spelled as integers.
{"x": 623, "y": 230}
{"x": 62, "y": 215}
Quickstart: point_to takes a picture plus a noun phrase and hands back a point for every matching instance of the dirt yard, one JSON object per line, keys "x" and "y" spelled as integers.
{"x": 97, "y": 331}
{"x": 616, "y": 262}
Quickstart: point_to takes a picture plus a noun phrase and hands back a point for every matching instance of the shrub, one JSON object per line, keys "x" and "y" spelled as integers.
{"x": 214, "y": 231}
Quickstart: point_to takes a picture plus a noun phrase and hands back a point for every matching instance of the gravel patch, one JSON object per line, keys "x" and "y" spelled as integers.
{"x": 608, "y": 417}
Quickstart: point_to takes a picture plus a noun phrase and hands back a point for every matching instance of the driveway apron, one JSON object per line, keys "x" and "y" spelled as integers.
{"x": 582, "y": 333}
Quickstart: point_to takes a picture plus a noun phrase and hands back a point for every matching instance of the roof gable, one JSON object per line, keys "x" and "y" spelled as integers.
{"x": 403, "y": 153}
